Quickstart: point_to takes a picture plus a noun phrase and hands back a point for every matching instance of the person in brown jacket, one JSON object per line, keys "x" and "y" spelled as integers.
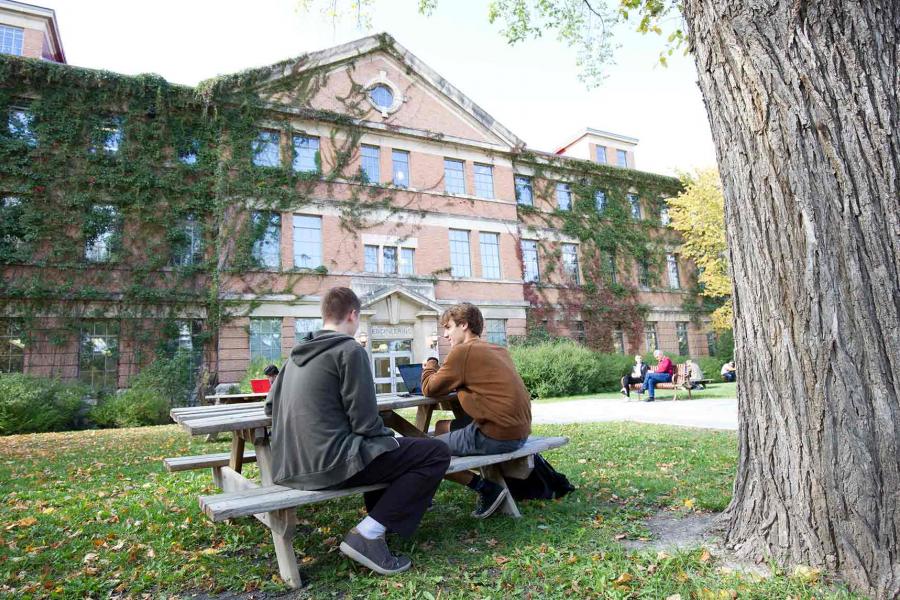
{"x": 493, "y": 396}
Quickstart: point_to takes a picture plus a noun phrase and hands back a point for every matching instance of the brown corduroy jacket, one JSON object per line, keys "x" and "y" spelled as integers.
{"x": 489, "y": 388}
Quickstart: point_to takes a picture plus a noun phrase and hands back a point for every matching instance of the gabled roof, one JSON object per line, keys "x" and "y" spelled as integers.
{"x": 600, "y": 133}
{"x": 335, "y": 55}
{"x": 382, "y": 293}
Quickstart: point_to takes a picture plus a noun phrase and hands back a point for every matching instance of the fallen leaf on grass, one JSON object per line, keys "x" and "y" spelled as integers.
{"x": 661, "y": 555}
{"x": 501, "y": 560}
{"x": 621, "y": 536}
{"x": 674, "y": 597}
{"x": 623, "y": 579}
{"x": 26, "y": 522}
{"x": 89, "y": 557}
{"x": 572, "y": 560}
{"x": 705, "y": 556}
{"x": 807, "y": 574}
{"x": 689, "y": 502}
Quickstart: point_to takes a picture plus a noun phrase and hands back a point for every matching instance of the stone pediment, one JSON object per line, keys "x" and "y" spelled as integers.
{"x": 399, "y": 303}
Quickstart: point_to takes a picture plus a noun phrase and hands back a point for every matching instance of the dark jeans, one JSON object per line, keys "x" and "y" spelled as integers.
{"x": 652, "y": 379}
{"x": 729, "y": 377}
{"x": 629, "y": 380}
{"x": 413, "y": 472}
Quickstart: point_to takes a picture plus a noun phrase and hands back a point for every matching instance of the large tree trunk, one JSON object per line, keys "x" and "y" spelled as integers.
{"x": 803, "y": 102}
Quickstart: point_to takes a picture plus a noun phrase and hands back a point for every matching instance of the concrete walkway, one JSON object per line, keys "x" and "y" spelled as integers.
{"x": 710, "y": 414}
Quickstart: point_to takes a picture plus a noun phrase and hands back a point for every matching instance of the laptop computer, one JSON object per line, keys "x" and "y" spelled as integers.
{"x": 412, "y": 377}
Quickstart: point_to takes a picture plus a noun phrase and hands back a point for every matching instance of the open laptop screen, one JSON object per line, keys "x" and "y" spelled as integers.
{"x": 412, "y": 377}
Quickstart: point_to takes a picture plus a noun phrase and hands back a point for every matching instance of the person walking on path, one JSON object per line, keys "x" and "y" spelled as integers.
{"x": 637, "y": 375}
{"x": 327, "y": 434}
{"x": 661, "y": 374}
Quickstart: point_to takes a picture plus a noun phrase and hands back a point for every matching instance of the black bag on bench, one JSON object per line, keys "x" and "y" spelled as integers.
{"x": 544, "y": 483}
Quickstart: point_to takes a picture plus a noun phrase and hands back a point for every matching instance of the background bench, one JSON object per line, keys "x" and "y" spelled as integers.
{"x": 681, "y": 380}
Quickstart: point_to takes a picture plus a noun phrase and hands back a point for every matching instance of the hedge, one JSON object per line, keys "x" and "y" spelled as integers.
{"x": 30, "y": 404}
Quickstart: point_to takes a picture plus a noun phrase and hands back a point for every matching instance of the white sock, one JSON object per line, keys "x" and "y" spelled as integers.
{"x": 371, "y": 529}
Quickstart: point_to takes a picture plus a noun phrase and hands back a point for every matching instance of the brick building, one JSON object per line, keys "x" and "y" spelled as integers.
{"x": 457, "y": 208}
{"x": 28, "y": 30}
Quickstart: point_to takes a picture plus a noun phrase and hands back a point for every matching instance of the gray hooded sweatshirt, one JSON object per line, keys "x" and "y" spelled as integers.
{"x": 325, "y": 421}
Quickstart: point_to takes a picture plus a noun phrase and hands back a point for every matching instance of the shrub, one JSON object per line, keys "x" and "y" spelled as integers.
{"x": 30, "y": 404}
{"x": 566, "y": 368}
{"x": 164, "y": 383}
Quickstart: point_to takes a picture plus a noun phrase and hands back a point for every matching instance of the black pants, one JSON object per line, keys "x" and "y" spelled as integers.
{"x": 414, "y": 471}
{"x": 627, "y": 381}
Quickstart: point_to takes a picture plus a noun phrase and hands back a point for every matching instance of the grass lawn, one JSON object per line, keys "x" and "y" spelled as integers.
{"x": 93, "y": 513}
{"x": 712, "y": 391}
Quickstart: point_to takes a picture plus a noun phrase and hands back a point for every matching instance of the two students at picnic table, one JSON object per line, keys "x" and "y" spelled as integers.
{"x": 327, "y": 433}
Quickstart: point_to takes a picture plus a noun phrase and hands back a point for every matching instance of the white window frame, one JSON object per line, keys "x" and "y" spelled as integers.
{"x": 459, "y": 176}
{"x": 100, "y": 249}
{"x": 306, "y": 149}
{"x": 600, "y": 151}
{"x": 265, "y": 149}
{"x": 563, "y": 190}
{"x": 489, "y": 244}
{"x": 304, "y": 325}
{"x": 484, "y": 180}
{"x": 672, "y": 272}
{"x": 189, "y": 253}
{"x": 570, "y": 263}
{"x": 528, "y": 184}
{"x": 265, "y": 326}
{"x": 307, "y": 241}
{"x": 370, "y": 166}
{"x": 495, "y": 331}
{"x": 398, "y": 181}
{"x": 460, "y": 253}
{"x": 622, "y": 158}
{"x": 530, "y": 275}
{"x": 12, "y": 40}
{"x": 270, "y": 238}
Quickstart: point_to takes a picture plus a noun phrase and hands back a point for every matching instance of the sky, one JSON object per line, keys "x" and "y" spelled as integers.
{"x": 532, "y": 88}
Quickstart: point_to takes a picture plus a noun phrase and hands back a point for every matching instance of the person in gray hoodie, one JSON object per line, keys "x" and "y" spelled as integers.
{"x": 327, "y": 433}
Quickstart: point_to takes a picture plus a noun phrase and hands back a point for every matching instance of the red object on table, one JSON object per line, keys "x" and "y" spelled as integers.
{"x": 260, "y": 385}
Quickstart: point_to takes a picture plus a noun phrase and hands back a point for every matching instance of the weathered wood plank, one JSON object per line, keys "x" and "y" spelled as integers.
{"x": 203, "y": 461}
{"x": 274, "y": 497}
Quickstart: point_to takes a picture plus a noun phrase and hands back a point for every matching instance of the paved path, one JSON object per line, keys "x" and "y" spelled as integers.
{"x": 711, "y": 414}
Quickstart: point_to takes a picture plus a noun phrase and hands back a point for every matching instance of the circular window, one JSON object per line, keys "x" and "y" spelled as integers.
{"x": 382, "y": 97}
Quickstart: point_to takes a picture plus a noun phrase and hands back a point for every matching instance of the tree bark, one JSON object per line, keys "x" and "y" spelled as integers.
{"x": 803, "y": 102}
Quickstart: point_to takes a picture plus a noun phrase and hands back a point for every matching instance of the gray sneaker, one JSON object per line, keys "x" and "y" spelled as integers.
{"x": 373, "y": 554}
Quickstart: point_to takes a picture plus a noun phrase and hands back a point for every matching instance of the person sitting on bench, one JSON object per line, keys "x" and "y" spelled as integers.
{"x": 637, "y": 375}
{"x": 493, "y": 396}
{"x": 661, "y": 374}
{"x": 327, "y": 433}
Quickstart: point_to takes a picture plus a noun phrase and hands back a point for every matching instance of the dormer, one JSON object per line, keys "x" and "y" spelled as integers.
{"x": 602, "y": 147}
{"x": 31, "y": 31}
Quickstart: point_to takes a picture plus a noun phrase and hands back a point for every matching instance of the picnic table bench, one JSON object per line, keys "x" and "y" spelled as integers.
{"x": 681, "y": 380}
{"x": 275, "y": 505}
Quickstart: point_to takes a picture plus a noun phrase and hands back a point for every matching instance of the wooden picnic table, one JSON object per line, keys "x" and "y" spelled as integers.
{"x": 235, "y": 398}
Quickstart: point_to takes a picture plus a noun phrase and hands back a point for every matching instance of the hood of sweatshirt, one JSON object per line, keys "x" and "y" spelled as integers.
{"x": 315, "y": 344}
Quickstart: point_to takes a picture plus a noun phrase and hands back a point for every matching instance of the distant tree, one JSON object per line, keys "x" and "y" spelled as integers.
{"x": 804, "y": 108}
{"x": 698, "y": 214}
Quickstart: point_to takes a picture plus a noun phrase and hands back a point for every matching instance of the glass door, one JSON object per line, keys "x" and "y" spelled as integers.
{"x": 386, "y": 355}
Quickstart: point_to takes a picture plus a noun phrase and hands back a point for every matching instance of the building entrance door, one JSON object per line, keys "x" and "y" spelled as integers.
{"x": 386, "y": 355}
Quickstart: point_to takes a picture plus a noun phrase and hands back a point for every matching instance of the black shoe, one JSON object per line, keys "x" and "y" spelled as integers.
{"x": 649, "y": 400}
{"x": 373, "y": 554}
{"x": 489, "y": 499}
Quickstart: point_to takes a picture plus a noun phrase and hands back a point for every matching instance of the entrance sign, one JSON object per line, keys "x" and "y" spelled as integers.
{"x": 391, "y": 331}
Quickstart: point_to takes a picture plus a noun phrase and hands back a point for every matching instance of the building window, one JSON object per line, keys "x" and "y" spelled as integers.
{"x": 20, "y": 124}
{"x": 601, "y": 155}
{"x": 186, "y": 247}
{"x": 672, "y": 270}
{"x": 577, "y": 332}
{"x": 530, "y": 261}
{"x": 109, "y": 136}
{"x": 370, "y": 165}
{"x": 187, "y": 155}
{"x": 306, "y": 154}
{"x": 524, "y": 191}
{"x": 11, "y": 226}
{"x": 570, "y": 262}
{"x": 454, "y": 176}
{"x": 102, "y": 234}
{"x": 12, "y": 347}
{"x": 609, "y": 267}
{"x": 619, "y": 341}
{"x": 635, "y": 203}
{"x": 371, "y": 259}
{"x": 98, "y": 355}
{"x": 643, "y": 275}
{"x": 484, "y": 181}
{"x": 407, "y": 261}
{"x": 681, "y": 332}
{"x": 460, "y": 262}
{"x": 712, "y": 343}
{"x": 621, "y": 158}
{"x": 400, "y": 158}
{"x": 651, "y": 342}
{"x": 266, "y": 149}
{"x": 382, "y": 97}
{"x": 307, "y": 242}
{"x": 265, "y": 339}
{"x": 267, "y": 233}
{"x": 496, "y": 331}
{"x": 563, "y": 196}
{"x": 600, "y": 201}
{"x": 664, "y": 218}
{"x": 11, "y": 40}
{"x": 490, "y": 255}
{"x": 389, "y": 255}
{"x": 304, "y": 326}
